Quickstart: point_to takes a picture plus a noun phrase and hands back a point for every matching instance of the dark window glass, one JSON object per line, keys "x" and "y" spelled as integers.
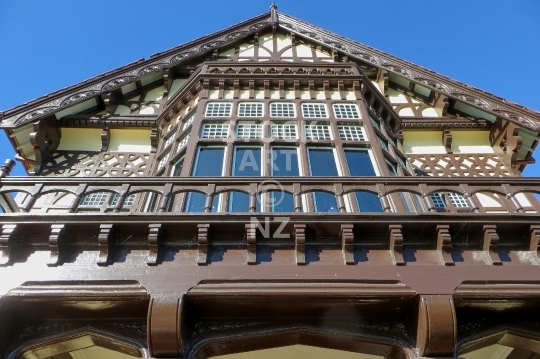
{"x": 359, "y": 163}
{"x": 392, "y": 168}
{"x": 322, "y": 162}
{"x": 195, "y": 202}
{"x": 281, "y": 201}
{"x": 247, "y": 161}
{"x": 324, "y": 202}
{"x": 178, "y": 167}
{"x": 368, "y": 202}
{"x": 238, "y": 202}
{"x": 284, "y": 161}
{"x": 209, "y": 161}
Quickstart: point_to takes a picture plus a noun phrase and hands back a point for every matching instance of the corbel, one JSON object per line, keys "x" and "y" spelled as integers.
{"x": 203, "y": 232}
{"x": 251, "y": 238}
{"x": 535, "y": 241}
{"x": 139, "y": 86}
{"x": 296, "y": 87}
{"x": 205, "y": 88}
{"x": 167, "y": 81}
{"x": 122, "y": 197}
{"x": 155, "y": 232}
{"x": 447, "y": 140}
{"x": 436, "y": 326}
{"x": 34, "y": 194}
{"x": 105, "y": 139}
{"x": 79, "y": 192}
{"x": 444, "y": 244}
{"x": 111, "y": 100}
{"x": 396, "y": 244}
{"x": 167, "y": 190}
{"x": 236, "y": 88}
{"x": 154, "y": 139}
{"x": 341, "y": 90}
{"x": 57, "y": 236}
{"x": 44, "y": 139}
{"x": 326, "y": 88}
{"x": 347, "y": 243}
{"x": 251, "y": 89}
{"x": 357, "y": 89}
{"x": 9, "y": 231}
{"x": 311, "y": 89}
{"x": 382, "y": 80}
{"x": 105, "y": 238}
{"x": 335, "y": 55}
{"x": 441, "y": 104}
{"x": 300, "y": 243}
{"x": 266, "y": 89}
{"x": 215, "y": 55}
{"x": 345, "y": 59}
{"x": 400, "y": 137}
{"x": 281, "y": 86}
{"x": 221, "y": 88}
{"x": 491, "y": 244}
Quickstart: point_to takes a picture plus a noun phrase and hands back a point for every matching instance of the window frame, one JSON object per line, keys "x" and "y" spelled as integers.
{"x": 314, "y": 103}
{"x": 207, "y": 114}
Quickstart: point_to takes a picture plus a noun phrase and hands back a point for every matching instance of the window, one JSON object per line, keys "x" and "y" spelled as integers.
{"x": 169, "y": 140}
{"x": 250, "y": 109}
{"x": 238, "y": 202}
{"x": 209, "y": 161}
{"x": 249, "y": 130}
{"x": 95, "y": 199}
{"x": 281, "y": 201}
{"x": 318, "y": 132}
{"x": 346, "y": 110}
{"x": 351, "y": 132}
{"x": 215, "y": 130}
{"x": 284, "y": 161}
{"x": 163, "y": 161}
{"x": 314, "y": 110}
{"x": 359, "y": 162}
{"x": 279, "y": 109}
{"x": 368, "y": 202}
{"x": 182, "y": 143}
{"x": 177, "y": 169}
{"x": 218, "y": 109}
{"x": 383, "y": 143}
{"x": 188, "y": 122}
{"x": 322, "y": 162}
{"x": 375, "y": 122}
{"x": 247, "y": 161}
{"x": 127, "y": 202}
{"x": 392, "y": 168}
{"x": 324, "y": 202}
{"x": 286, "y": 131}
{"x": 457, "y": 200}
{"x": 401, "y": 162}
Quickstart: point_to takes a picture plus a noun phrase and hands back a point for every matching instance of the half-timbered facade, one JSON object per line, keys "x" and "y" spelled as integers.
{"x": 270, "y": 190}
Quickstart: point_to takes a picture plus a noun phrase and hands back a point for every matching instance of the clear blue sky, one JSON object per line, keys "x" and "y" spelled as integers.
{"x": 48, "y": 45}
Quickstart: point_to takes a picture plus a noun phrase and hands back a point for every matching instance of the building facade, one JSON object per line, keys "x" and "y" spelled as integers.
{"x": 270, "y": 190}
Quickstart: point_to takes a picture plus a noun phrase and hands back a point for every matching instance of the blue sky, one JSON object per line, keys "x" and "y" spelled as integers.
{"x": 48, "y": 45}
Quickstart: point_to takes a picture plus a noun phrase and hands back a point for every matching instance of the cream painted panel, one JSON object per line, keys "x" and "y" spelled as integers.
{"x": 128, "y": 88}
{"x": 335, "y": 95}
{"x": 283, "y": 41}
{"x": 267, "y": 41}
{"x": 396, "y": 97}
{"x": 80, "y": 139}
{"x": 246, "y": 50}
{"x": 130, "y": 140}
{"x": 429, "y": 112}
{"x": 523, "y": 199}
{"x": 229, "y": 53}
{"x": 259, "y": 94}
{"x": 413, "y": 100}
{"x": 287, "y": 53}
{"x": 244, "y": 94}
{"x": 151, "y": 78}
{"x": 289, "y": 95}
{"x": 322, "y": 54}
{"x": 213, "y": 94}
{"x": 488, "y": 201}
{"x": 155, "y": 94}
{"x": 471, "y": 142}
{"x": 298, "y": 351}
{"x": 228, "y": 94}
{"x": 176, "y": 85}
{"x": 147, "y": 110}
{"x": 350, "y": 95}
{"x": 495, "y": 351}
{"x": 274, "y": 94}
{"x": 83, "y": 106}
{"x": 263, "y": 53}
{"x": 376, "y": 86}
{"x": 122, "y": 110}
{"x": 65, "y": 200}
{"x": 423, "y": 142}
{"x": 304, "y": 95}
{"x": 319, "y": 95}
{"x": 303, "y": 51}
{"x": 406, "y": 112}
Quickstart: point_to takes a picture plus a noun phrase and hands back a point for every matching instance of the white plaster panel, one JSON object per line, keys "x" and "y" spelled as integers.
{"x": 304, "y": 95}
{"x": 228, "y": 94}
{"x": 319, "y": 95}
{"x": 406, "y": 112}
{"x": 488, "y": 200}
{"x": 122, "y": 110}
{"x": 176, "y": 85}
{"x": 334, "y": 95}
{"x": 283, "y": 41}
{"x": 429, "y": 112}
{"x": 303, "y": 51}
{"x": 350, "y": 95}
{"x": 259, "y": 94}
{"x": 130, "y": 140}
{"x": 246, "y": 50}
{"x": 146, "y": 110}
{"x": 244, "y": 94}
{"x": 155, "y": 94}
{"x": 423, "y": 142}
{"x": 274, "y": 94}
{"x": 289, "y": 95}
{"x": 213, "y": 94}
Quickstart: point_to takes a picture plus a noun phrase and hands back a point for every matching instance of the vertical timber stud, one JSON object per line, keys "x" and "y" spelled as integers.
{"x": 58, "y": 233}
{"x": 154, "y": 237}
{"x": 347, "y": 243}
{"x": 251, "y": 238}
{"x": 436, "y": 330}
{"x": 105, "y": 238}
{"x": 491, "y": 244}
{"x": 300, "y": 243}
{"x": 163, "y": 327}
{"x": 396, "y": 244}
{"x": 9, "y": 231}
{"x": 534, "y": 241}
{"x": 202, "y": 238}
{"x": 444, "y": 245}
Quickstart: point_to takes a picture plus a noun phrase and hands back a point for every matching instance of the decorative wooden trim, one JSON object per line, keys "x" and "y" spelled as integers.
{"x": 444, "y": 244}
{"x": 154, "y": 139}
{"x": 112, "y": 121}
{"x": 534, "y": 244}
{"x": 447, "y": 140}
{"x": 418, "y": 123}
{"x": 300, "y": 243}
{"x": 491, "y": 243}
{"x": 436, "y": 331}
{"x": 105, "y": 242}
{"x": 202, "y": 239}
{"x": 57, "y": 236}
{"x": 9, "y": 231}
{"x": 347, "y": 243}
{"x": 251, "y": 239}
{"x": 396, "y": 244}
{"x": 498, "y": 289}
{"x": 105, "y": 139}
{"x": 154, "y": 237}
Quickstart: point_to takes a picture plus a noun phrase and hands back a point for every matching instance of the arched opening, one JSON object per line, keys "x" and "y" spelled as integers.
{"x": 507, "y": 344}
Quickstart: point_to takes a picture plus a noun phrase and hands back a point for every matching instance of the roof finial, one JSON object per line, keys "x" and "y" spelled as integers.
{"x": 273, "y": 13}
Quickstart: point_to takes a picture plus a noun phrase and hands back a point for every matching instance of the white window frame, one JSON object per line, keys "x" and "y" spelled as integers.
{"x": 258, "y": 105}
{"x": 350, "y": 128}
{"x": 253, "y": 126}
{"x": 211, "y": 113}
{"x": 283, "y": 104}
{"x": 305, "y": 109}
{"x": 277, "y": 125}
{"x": 182, "y": 143}
{"x": 338, "y": 114}
{"x": 209, "y": 124}
{"x": 324, "y": 126}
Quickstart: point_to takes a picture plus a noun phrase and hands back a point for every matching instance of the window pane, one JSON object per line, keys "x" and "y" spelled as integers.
{"x": 324, "y": 202}
{"x": 247, "y": 161}
{"x": 209, "y": 161}
{"x": 359, "y": 163}
{"x": 284, "y": 161}
{"x": 321, "y": 162}
{"x": 238, "y": 202}
{"x": 281, "y": 201}
{"x": 178, "y": 167}
{"x": 195, "y": 202}
{"x": 368, "y": 202}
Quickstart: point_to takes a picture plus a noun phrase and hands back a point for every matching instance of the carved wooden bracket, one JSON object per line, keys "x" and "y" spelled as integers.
{"x": 535, "y": 241}
{"x": 154, "y": 139}
{"x": 251, "y": 238}
{"x": 300, "y": 243}
{"x": 202, "y": 238}
{"x": 164, "y": 327}
{"x": 154, "y": 237}
{"x": 396, "y": 244}
{"x": 58, "y": 234}
{"x": 44, "y": 139}
{"x": 311, "y": 89}
{"x": 105, "y": 238}
{"x": 444, "y": 244}
{"x": 436, "y": 333}
{"x": 111, "y": 100}
{"x": 34, "y": 194}
{"x": 447, "y": 140}
{"x": 347, "y": 243}
{"x": 105, "y": 139}
{"x": 9, "y": 231}
{"x": 266, "y": 89}
{"x": 491, "y": 243}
